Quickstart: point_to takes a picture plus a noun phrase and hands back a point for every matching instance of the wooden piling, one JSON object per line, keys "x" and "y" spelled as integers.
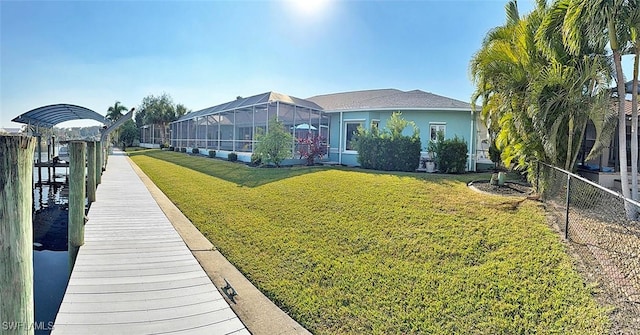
{"x": 91, "y": 171}
{"x": 98, "y": 162}
{"x": 77, "y": 194}
{"x": 16, "y": 233}
{"x": 39, "y": 158}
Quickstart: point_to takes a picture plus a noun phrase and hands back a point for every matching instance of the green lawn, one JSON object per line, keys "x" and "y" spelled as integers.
{"x": 347, "y": 251}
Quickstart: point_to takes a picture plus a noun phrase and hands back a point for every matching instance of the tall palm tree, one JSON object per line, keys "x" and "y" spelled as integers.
{"x": 634, "y": 24}
{"x": 540, "y": 97}
{"x": 114, "y": 113}
{"x": 608, "y": 21}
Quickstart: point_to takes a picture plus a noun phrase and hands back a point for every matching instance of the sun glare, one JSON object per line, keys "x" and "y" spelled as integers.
{"x": 309, "y": 7}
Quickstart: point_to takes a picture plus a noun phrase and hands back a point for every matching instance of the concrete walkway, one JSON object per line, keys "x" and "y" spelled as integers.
{"x": 134, "y": 274}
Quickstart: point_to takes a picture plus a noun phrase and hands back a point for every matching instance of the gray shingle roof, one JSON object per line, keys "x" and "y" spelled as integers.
{"x": 386, "y": 99}
{"x": 250, "y": 101}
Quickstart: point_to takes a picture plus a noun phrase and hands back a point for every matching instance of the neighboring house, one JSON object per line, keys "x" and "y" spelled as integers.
{"x": 231, "y": 127}
{"x": 431, "y": 113}
{"x": 605, "y": 168}
{"x": 11, "y": 131}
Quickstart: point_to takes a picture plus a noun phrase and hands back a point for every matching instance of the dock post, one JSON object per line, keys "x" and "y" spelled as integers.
{"x": 16, "y": 233}
{"x": 91, "y": 171}
{"x": 77, "y": 194}
{"x": 98, "y": 162}
{"x": 39, "y": 159}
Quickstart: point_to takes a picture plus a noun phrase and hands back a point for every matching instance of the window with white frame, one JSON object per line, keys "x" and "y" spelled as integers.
{"x": 435, "y": 128}
{"x": 351, "y": 129}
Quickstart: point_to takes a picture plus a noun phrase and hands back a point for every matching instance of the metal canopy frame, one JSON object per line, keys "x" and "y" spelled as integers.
{"x": 49, "y": 116}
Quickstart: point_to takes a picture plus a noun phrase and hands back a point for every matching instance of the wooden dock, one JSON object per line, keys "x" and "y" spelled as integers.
{"x": 134, "y": 274}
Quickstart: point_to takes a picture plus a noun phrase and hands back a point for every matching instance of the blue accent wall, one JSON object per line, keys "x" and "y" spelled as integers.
{"x": 458, "y": 123}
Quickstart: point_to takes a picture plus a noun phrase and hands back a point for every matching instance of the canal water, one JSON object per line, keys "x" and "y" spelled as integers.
{"x": 50, "y": 255}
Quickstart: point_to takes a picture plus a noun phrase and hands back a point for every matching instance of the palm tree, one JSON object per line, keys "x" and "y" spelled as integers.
{"x": 538, "y": 97}
{"x": 634, "y": 24}
{"x": 114, "y": 113}
{"x": 614, "y": 22}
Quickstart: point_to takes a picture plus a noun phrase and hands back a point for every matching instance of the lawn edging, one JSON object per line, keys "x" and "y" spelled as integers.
{"x": 259, "y": 314}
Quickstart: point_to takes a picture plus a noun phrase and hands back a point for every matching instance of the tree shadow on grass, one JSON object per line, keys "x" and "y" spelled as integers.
{"x": 244, "y": 175}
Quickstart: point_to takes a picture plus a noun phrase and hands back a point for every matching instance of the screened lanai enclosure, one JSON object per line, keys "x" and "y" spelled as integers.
{"x": 232, "y": 126}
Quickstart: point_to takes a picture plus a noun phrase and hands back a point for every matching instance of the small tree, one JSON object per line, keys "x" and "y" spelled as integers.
{"x": 275, "y": 145}
{"x": 128, "y": 133}
{"x": 311, "y": 147}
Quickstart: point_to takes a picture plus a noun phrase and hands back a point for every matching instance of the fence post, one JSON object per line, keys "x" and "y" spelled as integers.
{"x": 77, "y": 194}
{"x": 16, "y": 232}
{"x": 91, "y": 171}
{"x": 566, "y": 221}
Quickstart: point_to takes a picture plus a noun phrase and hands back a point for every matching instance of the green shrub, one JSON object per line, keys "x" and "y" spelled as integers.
{"x": 450, "y": 154}
{"x": 389, "y": 150}
{"x": 195, "y": 151}
{"x": 212, "y": 153}
{"x": 183, "y": 150}
{"x": 171, "y": 148}
{"x": 177, "y": 149}
{"x": 274, "y": 146}
{"x": 232, "y": 157}
{"x": 256, "y": 160}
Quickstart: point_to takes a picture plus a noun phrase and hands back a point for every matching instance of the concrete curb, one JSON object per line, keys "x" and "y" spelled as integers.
{"x": 259, "y": 314}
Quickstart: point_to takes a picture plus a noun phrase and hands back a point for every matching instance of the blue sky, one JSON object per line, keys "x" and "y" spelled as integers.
{"x": 203, "y": 53}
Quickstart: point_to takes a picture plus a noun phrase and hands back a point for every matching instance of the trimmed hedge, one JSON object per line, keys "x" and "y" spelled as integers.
{"x": 450, "y": 155}
{"x": 232, "y": 157}
{"x": 183, "y": 150}
{"x": 195, "y": 151}
{"x": 212, "y": 153}
{"x": 389, "y": 154}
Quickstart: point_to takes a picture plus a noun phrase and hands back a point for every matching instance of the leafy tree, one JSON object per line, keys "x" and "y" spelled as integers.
{"x": 275, "y": 145}
{"x": 128, "y": 133}
{"x": 311, "y": 148}
{"x": 140, "y": 117}
{"x": 160, "y": 110}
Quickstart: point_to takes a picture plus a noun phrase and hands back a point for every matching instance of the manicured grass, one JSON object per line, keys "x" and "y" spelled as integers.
{"x": 355, "y": 252}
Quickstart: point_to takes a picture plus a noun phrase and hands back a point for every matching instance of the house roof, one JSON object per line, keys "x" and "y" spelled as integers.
{"x": 251, "y": 101}
{"x": 49, "y": 116}
{"x": 627, "y": 107}
{"x": 386, "y": 99}
{"x": 11, "y": 130}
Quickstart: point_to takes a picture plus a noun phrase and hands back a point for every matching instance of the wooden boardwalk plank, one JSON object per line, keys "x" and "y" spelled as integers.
{"x": 134, "y": 274}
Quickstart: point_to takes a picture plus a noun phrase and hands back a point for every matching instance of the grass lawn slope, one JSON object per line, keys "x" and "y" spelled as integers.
{"x": 346, "y": 251}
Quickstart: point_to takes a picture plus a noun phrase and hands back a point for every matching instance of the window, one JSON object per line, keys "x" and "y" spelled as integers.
{"x": 435, "y": 128}
{"x": 351, "y": 129}
{"x": 375, "y": 124}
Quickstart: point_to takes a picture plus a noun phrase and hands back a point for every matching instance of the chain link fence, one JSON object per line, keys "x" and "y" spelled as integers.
{"x": 604, "y": 229}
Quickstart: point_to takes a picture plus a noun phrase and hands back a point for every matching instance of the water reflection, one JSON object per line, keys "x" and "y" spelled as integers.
{"x": 50, "y": 255}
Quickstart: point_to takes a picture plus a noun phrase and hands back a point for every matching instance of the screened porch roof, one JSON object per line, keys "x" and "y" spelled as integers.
{"x": 251, "y": 101}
